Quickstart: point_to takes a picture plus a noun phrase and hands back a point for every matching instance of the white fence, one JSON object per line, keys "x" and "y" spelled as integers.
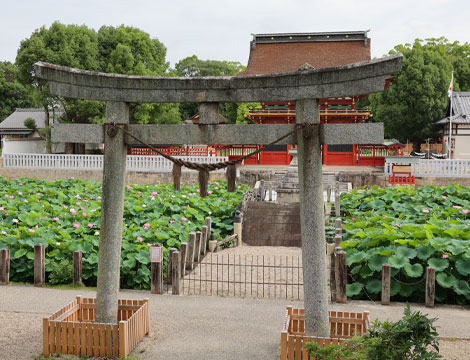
{"x": 95, "y": 162}
{"x": 436, "y": 168}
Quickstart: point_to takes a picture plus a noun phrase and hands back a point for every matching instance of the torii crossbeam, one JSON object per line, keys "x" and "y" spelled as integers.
{"x": 305, "y": 87}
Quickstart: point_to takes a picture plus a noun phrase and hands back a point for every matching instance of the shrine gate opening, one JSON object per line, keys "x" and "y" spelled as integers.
{"x": 304, "y": 87}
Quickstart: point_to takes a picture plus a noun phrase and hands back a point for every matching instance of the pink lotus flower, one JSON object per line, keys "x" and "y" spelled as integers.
{"x": 239, "y": 187}
{"x": 146, "y": 225}
{"x": 55, "y": 219}
{"x": 216, "y": 188}
{"x": 457, "y": 207}
{"x": 198, "y": 190}
{"x": 66, "y": 207}
{"x": 31, "y": 230}
{"x": 465, "y": 211}
{"x": 154, "y": 193}
{"x": 397, "y": 224}
{"x": 12, "y": 197}
{"x": 90, "y": 225}
{"x": 76, "y": 226}
{"x": 1, "y": 208}
{"x": 128, "y": 187}
{"x": 72, "y": 178}
{"x": 425, "y": 211}
{"x": 172, "y": 221}
{"x": 73, "y": 211}
{"x": 38, "y": 194}
{"x": 444, "y": 197}
{"x": 149, "y": 245}
{"x": 445, "y": 256}
{"x": 20, "y": 193}
{"x": 98, "y": 198}
{"x": 152, "y": 197}
{"x": 78, "y": 203}
{"x": 78, "y": 197}
{"x": 7, "y": 196}
{"x": 15, "y": 220}
{"x": 353, "y": 218}
{"x": 184, "y": 218}
{"x": 83, "y": 213}
{"x": 209, "y": 192}
{"x": 140, "y": 239}
{"x": 27, "y": 200}
{"x": 21, "y": 184}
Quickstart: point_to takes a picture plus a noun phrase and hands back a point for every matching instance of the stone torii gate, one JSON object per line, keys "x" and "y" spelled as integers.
{"x": 305, "y": 87}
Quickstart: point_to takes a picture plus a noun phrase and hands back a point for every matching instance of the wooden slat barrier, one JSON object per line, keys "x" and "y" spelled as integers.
{"x": 343, "y": 325}
{"x": 71, "y": 330}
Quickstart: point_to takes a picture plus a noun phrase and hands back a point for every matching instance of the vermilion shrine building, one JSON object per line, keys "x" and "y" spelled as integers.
{"x": 281, "y": 53}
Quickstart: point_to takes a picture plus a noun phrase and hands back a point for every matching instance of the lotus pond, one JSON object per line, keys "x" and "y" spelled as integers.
{"x": 409, "y": 229}
{"x": 65, "y": 216}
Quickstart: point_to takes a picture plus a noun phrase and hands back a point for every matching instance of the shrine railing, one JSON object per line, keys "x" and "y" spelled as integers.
{"x": 436, "y": 168}
{"x": 144, "y": 163}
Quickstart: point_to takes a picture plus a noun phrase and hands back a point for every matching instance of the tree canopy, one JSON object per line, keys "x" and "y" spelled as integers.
{"x": 124, "y": 50}
{"x": 418, "y": 96}
{"x": 191, "y": 66}
{"x": 13, "y": 94}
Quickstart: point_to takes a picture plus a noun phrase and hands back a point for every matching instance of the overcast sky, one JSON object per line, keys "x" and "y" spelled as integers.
{"x": 220, "y": 29}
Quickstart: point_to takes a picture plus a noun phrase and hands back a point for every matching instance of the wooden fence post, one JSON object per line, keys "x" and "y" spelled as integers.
{"x": 169, "y": 268}
{"x": 430, "y": 286}
{"x": 339, "y": 225}
{"x": 176, "y": 272}
{"x": 156, "y": 269}
{"x": 39, "y": 268}
{"x": 183, "y": 251}
{"x": 4, "y": 266}
{"x": 205, "y": 237}
{"x": 198, "y": 246}
{"x": 337, "y": 201}
{"x": 338, "y": 239}
{"x": 208, "y": 223}
{"x": 341, "y": 276}
{"x": 332, "y": 277}
{"x": 77, "y": 267}
{"x": 190, "y": 252}
{"x": 385, "y": 284}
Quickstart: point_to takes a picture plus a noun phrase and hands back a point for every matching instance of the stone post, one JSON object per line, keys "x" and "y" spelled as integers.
{"x": 430, "y": 286}
{"x": 311, "y": 219}
{"x": 385, "y": 295}
{"x": 112, "y": 207}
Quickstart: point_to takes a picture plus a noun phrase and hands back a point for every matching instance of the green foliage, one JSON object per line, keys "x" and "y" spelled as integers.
{"x": 389, "y": 226}
{"x": 30, "y": 123}
{"x": 350, "y": 350}
{"x": 61, "y": 272}
{"x": 414, "y": 336}
{"x": 65, "y": 215}
{"x": 124, "y": 50}
{"x": 418, "y": 97}
{"x": 191, "y": 66}
{"x": 13, "y": 94}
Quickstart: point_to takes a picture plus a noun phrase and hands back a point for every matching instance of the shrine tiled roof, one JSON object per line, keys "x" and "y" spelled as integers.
{"x": 460, "y": 109}
{"x": 277, "y": 53}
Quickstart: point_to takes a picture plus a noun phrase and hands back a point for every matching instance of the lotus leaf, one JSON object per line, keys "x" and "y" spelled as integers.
{"x": 463, "y": 266}
{"x": 375, "y": 262}
{"x": 446, "y": 281}
{"x": 438, "y": 264}
{"x": 406, "y": 252}
{"x": 398, "y": 261}
{"x": 424, "y": 251}
{"x": 414, "y": 270}
{"x": 353, "y": 289}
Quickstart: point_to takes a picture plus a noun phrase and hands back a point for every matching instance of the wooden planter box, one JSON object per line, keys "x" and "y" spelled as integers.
{"x": 343, "y": 325}
{"x": 72, "y": 329}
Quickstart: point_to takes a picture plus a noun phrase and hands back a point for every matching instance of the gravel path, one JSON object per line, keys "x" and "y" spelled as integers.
{"x": 202, "y": 327}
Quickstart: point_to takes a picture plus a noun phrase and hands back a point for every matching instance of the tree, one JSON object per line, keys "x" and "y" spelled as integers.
{"x": 418, "y": 97}
{"x": 191, "y": 66}
{"x": 66, "y": 45}
{"x": 124, "y": 50}
{"x": 12, "y": 93}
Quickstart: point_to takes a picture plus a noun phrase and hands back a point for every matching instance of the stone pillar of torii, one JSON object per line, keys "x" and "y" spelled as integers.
{"x": 304, "y": 87}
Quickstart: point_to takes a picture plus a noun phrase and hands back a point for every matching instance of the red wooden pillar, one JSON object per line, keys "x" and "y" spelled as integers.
{"x": 325, "y": 155}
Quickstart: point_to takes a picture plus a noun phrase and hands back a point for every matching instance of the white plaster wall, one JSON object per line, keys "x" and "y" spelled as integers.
{"x": 23, "y": 146}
